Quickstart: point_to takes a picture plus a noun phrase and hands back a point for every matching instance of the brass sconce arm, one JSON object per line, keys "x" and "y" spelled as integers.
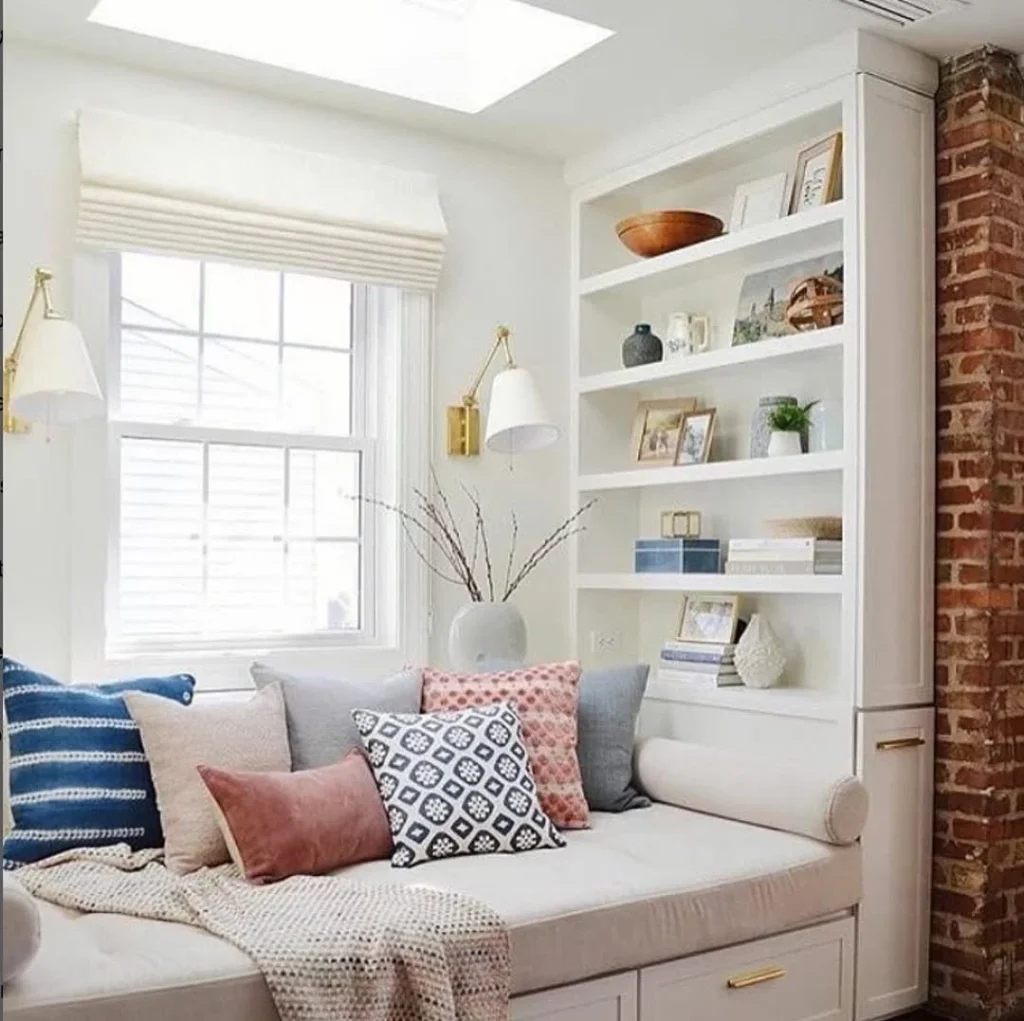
{"x": 41, "y": 287}
{"x": 464, "y": 418}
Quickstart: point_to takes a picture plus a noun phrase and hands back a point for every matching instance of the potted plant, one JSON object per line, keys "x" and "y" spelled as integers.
{"x": 789, "y": 424}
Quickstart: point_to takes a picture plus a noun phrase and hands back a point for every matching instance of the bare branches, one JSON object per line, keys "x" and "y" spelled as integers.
{"x": 431, "y": 527}
{"x": 565, "y": 531}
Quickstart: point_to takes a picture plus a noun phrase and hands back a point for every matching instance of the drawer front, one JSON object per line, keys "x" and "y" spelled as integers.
{"x": 604, "y": 999}
{"x": 800, "y": 976}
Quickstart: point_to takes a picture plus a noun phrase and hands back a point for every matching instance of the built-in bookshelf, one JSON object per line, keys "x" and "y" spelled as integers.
{"x": 857, "y": 643}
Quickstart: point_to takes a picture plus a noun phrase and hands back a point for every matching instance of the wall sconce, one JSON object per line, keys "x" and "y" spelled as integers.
{"x": 48, "y": 375}
{"x": 517, "y": 421}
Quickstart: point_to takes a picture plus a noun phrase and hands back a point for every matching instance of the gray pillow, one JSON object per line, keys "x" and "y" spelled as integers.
{"x": 319, "y": 709}
{"x": 609, "y": 702}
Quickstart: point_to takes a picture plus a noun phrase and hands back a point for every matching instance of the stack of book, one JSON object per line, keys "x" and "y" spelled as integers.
{"x": 785, "y": 556}
{"x": 703, "y": 663}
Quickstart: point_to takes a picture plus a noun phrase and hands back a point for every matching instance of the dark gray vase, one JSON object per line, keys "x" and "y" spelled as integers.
{"x": 641, "y": 347}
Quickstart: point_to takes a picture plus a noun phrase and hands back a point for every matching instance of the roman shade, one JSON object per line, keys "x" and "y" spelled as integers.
{"x": 157, "y": 186}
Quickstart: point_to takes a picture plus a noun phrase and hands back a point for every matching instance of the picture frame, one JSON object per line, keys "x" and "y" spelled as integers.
{"x": 695, "y": 435}
{"x": 818, "y": 174}
{"x": 709, "y": 618}
{"x": 657, "y": 427}
{"x": 760, "y": 201}
{"x": 763, "y": 303}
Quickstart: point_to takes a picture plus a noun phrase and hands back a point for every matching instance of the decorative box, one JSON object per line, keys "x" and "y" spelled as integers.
{"x": 677, "y": 556}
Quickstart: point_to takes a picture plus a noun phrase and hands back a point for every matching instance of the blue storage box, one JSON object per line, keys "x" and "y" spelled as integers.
{"x": 677, "y": 556}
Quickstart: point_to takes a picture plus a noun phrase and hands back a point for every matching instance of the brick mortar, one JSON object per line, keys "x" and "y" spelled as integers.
{"x": 978, "y": 902}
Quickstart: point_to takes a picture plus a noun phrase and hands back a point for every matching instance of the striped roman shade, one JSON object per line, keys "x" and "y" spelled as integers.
{"x": 155, "y": 186}
{"x": 78, "y": 774}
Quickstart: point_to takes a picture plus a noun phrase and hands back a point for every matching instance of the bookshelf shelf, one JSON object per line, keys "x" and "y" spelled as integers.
{"x": 803, "y": 584}
{"x": 729, "y": 253}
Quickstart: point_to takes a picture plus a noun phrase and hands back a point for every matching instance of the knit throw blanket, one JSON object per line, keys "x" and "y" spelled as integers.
{"x": 330, "y": 948}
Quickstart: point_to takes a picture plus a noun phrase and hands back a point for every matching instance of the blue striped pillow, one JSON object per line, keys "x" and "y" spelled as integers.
{"x": 78, "y": 774}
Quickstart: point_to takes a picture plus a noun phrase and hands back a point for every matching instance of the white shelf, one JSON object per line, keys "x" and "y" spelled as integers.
{"x": 830, "y": 339}
{"x": 796, "y": 584}
{"x": 799, "y": 702}
{"x": 792, "y": 236}
{"x": 717, "y": 471}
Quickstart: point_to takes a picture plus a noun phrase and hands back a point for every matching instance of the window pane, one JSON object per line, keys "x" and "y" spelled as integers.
{"x": 160, "y": 576}
{"x": 159, "y": 376}
{"x": 157, "y": 291}
{"x": 240, "y": 384}
{"x": 316, "y": 391}
{"x": 317, "y": 311}
{"x": 245, "y": 587}
{"x": 242, "y": 302}
{"x": 246, "y": 492}
{"x": 323, "y": 490}
{"x": 323, "y": 586}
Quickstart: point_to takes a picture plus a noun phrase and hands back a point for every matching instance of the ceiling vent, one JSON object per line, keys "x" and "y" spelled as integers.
{"x": 906, "y": 12}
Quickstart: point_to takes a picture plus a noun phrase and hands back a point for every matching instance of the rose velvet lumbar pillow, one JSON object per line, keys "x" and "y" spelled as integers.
{"x": 545, "y": 697}
{"x": 311, "y": 822}
{"x": 248, "y": 736}
{"x": 455, "y": 783}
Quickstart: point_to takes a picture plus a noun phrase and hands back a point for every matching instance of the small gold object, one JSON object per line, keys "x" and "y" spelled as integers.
{"x": 464, "y": 418}
{"x": 755, "y": 978}
{"x": 899, "y": 742}
{"x": 680, "y": 524}
{"x": 41, "y": 287}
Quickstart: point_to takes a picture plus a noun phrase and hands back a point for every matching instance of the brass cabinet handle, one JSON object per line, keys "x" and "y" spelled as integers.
{"x": 755, "y": 978}
{"x": 899, "y": 742}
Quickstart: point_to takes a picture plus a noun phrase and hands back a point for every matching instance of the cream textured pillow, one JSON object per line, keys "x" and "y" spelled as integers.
{"x": 250, "y": 736}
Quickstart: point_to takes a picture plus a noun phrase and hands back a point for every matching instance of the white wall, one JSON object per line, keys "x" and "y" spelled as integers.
{"x": 507, "y": 261}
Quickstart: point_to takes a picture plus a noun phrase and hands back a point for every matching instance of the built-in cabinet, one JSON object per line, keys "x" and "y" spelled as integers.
{"x": 858, "y": 644}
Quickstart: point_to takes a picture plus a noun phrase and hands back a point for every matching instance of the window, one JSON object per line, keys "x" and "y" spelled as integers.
{"x": 244, "y": 425}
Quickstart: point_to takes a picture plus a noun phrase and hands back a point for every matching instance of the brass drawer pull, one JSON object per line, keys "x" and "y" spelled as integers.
{"x": 899, "y": 742}
{"x": 755, "y": 978}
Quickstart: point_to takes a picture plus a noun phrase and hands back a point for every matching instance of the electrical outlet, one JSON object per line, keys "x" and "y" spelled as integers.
{"x": 605, "y": 641}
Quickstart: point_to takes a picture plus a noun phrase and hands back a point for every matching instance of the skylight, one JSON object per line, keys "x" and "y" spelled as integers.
{"x": 460, "y": 54}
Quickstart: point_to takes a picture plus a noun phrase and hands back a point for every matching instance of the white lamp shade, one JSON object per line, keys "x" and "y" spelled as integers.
{"x": 55, "y": 379}
{"x": 517, "y": 421}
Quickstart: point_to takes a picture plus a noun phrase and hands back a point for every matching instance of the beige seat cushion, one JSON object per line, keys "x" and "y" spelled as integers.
{"x": 640, "y": 887}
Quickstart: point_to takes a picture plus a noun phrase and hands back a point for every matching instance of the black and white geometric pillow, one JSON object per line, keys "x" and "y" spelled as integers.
{"x": 455, "y": 783}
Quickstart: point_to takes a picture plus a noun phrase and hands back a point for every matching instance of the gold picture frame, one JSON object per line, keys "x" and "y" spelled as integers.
{"x": 818, "y": 174}
{"x": 695, "y": 434}
{"x": 709, "y": 618}
{"x": 657, "y": 427}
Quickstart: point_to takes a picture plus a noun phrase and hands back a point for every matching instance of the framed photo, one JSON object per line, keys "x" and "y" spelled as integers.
{"x": 695, "y": 437}
{"x": 657, "y": 428}
{"x": 709, "y": 618}
{"x": 759, "y": 202}
{"x": 818, "y": 174}
{"x": 764, "y": 297}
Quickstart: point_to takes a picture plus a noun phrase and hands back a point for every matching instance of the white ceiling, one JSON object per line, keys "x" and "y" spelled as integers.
{"x": 665, "y": 53}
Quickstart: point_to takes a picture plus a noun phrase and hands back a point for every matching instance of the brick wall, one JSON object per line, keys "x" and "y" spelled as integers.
{"x": 977, "y": 947}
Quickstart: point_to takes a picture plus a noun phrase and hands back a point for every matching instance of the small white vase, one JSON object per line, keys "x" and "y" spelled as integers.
{"x": 759, "y": 658}
{"x": 487, "y": 634}
{"x": 784, "y": 444}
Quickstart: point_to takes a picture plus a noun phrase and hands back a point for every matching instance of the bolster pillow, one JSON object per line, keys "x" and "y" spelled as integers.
{"x": 779, "y": 795}
{"x": 21, "y": 928}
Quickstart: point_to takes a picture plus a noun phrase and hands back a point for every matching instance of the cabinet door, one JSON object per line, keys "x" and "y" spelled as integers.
{"x": 895, "y": 759}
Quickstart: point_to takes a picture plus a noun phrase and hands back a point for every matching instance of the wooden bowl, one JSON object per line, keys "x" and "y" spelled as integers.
{"x": 652, "y": 234}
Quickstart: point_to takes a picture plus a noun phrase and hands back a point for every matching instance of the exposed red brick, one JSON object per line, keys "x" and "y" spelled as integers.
{"x": 977, "y": 941}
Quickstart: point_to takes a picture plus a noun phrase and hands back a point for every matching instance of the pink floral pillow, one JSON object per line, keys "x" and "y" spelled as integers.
{"x": 545, "y": 698}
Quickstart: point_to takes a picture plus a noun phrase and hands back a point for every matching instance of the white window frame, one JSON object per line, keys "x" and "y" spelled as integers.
{"x": 395, "y": 620}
